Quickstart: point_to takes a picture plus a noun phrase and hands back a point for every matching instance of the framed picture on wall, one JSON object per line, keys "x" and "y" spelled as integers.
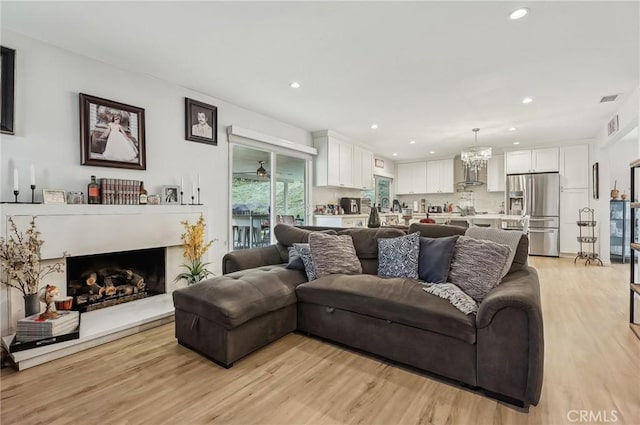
{"x": 7, "y": 75}
{"x": 201, "y": 122}
{"x": 596, "y": 180}
{"x": 111, "y": 134}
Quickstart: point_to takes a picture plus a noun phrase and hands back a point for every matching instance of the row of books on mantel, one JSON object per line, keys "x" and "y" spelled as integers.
{"x": 34, "y": 328}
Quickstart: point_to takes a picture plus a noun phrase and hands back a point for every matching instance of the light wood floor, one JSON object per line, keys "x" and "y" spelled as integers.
{"x": 592, "y": 362}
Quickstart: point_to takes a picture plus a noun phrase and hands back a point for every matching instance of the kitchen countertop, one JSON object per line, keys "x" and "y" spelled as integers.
{"x": 435, "y": 215}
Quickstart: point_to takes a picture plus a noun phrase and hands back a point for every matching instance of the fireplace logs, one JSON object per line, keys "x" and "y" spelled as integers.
{"x": 104, "y": 284}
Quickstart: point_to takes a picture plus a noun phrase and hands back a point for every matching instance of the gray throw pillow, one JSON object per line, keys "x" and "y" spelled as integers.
{"x": 435, "y": 258}
{"x": 305, "y": 254}
{"x": 510, "y": 238}
{"x": 333, "y": 254}
{"x": 295, "y": 261}
{"x": 398, "y": 257}
{"x": 477, "y": 266}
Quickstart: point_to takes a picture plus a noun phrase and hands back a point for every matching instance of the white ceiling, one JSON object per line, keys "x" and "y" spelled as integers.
{"x": 424, "y": 71}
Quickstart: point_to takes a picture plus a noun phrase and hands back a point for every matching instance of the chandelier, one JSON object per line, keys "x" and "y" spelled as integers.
{"x": 475, "y": 157}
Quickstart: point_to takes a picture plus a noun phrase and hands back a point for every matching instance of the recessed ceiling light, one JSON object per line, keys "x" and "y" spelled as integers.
{"x": 412, "y": 142}
{"x": 527, "y": 100}
{"x": 512, "y": 129}
{"x": 516, "y": 143}
{"x": 432, "y": 152}
{"x": 374, "y": 126}
{"x": 394, "y": 154}
{"x": 294, "y": 85}
{"x": 518, "y": 13}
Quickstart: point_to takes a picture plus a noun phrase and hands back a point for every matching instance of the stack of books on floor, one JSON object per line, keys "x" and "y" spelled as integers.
{"x": 33, "y": 328}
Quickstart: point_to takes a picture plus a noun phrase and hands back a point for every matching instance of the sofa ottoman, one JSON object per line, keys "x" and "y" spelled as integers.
{"x": 227, "y": 317}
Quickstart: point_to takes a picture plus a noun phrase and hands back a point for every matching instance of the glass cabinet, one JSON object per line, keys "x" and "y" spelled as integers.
{"x": 619, "y": 214}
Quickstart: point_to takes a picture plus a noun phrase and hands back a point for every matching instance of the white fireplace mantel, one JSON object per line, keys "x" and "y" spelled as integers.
{"x": 72, "y": 230}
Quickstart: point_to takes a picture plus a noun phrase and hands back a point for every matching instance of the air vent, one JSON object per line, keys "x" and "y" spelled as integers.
{"x": 611, "y": 98}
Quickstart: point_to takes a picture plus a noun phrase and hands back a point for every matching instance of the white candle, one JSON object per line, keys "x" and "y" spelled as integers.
{"x": 181, "y": 184}
{"x": 198, "y": 181}
{"x": 32, "y": 169}
{"x": 16, "y": 183}
{"x": 193, "y": 189}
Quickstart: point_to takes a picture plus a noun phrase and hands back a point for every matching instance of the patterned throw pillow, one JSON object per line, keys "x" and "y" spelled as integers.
{"x": 305, "y": 254}
{"x": 398, "y": 257}
{"x": 477, "y": 266}
{"x": 333, "y": 254}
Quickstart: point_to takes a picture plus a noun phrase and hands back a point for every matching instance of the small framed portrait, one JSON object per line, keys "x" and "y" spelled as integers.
{"x": 201, "y": 122}
{"x": 170, "y": 195}
{"x": 53, "y": 196}
{"x": 613, "y": 125}
{"x": 595, "y": 176}
{"x": 379, "y": 163}
{"x": 111, "y": 134}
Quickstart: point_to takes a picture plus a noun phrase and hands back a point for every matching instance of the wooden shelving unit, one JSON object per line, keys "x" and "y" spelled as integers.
{"x": 634, "y": 277}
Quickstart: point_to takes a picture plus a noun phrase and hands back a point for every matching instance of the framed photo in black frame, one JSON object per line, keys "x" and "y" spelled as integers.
{"x": 111, "y": 134}
{"x": 7, "y": 75}
{"x": 201, "y": 122}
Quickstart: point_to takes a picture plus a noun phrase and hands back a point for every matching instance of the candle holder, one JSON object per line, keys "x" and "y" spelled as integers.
{"x": 199, "y": 197}
{"x": 33, "y": 193}
{"x": 181, "y": 198}
{"x": 192, "y": 199}
{"x": 16, "y": 193}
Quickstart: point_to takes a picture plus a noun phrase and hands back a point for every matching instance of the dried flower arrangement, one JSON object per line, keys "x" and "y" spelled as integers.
{"x": 20, "y": 258}
{"x": 194, "y": 249}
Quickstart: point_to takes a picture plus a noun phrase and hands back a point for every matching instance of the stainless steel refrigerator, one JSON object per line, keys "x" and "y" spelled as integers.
{"x": 537, "y": 195}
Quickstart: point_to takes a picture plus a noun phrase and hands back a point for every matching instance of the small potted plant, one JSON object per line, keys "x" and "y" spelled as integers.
{"x": 194, "y": 249}
{"x": 20, "y": 260}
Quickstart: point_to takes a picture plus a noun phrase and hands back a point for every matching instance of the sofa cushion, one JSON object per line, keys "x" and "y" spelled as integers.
{"x": 477, "y": 266}
{"x": 287, "y": 235}
{"x": 236, "y": 298}
{"x": 398, "y": 257}
{"x": 333, "y": 254}
{"x": 435, "y": 258}
{"x": 399, "y": 300}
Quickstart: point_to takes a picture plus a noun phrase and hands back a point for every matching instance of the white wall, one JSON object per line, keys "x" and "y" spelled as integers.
{"x": 48, "y": 80}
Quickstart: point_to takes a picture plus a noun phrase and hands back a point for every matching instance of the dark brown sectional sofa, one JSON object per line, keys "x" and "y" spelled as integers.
{"x": 258, "y": 300}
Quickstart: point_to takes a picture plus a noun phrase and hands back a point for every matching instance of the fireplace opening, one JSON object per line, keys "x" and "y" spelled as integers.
{"x": 103, "y": 280}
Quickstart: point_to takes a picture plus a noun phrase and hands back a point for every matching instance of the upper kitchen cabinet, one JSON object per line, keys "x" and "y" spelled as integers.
{"x": 362, "y": 168}
{"x": 334, "y": 162}
{"x": 411, "y": 178}
{"x": 574, "y": 167}
{"x": 532, "y": 161}
{"x": 440, "y": 176}
{"x": 495, "y": 174}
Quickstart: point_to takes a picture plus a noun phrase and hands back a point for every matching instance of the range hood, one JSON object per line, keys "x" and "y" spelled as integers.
{"x": 471, "y": 178}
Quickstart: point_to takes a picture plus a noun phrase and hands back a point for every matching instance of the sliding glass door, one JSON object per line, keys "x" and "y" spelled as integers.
{"x": 258, "y": 178}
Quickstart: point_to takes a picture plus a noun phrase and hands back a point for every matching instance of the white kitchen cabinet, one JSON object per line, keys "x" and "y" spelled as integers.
{"x": 334, "y": 162}
{"x": 362, "y": 169}
{"x": 495, "y": 174}
{"x": 574, "y": 167}
{"x": 411, "y": 178}
{"x": 440, "y": 176}
{"x": 532, "y": 161}
{"x": 571, "y": 201}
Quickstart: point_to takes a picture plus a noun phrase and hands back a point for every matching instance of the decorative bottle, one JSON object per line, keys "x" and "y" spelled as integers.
{"x": 374, "y": 218}
{"x": 93, "y": 190}
{"x": 143, "y": 194}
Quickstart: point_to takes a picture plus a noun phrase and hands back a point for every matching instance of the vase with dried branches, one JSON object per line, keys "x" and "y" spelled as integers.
{"x": 21, "y": 265}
